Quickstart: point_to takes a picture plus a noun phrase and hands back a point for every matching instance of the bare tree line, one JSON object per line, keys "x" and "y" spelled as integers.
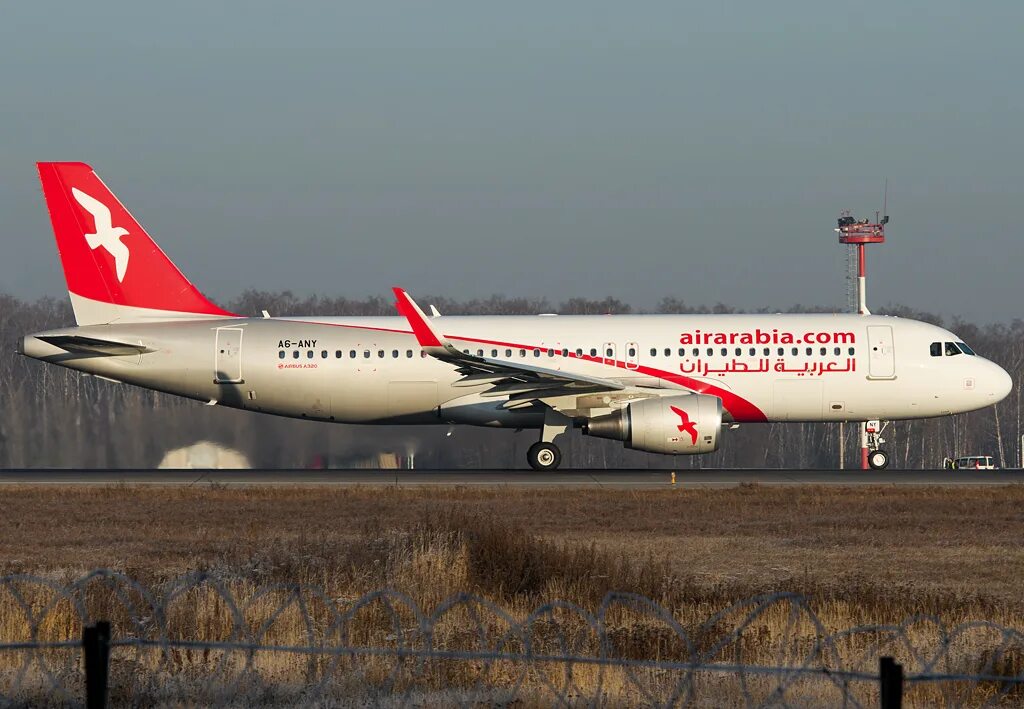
{"x": 52, "y": 417}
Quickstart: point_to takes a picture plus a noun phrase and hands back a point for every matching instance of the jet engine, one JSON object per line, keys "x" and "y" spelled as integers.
{"x": 672, "y": 424}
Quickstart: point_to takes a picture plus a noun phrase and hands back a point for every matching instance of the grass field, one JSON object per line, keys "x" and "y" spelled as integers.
{"x": 860, "y": 555}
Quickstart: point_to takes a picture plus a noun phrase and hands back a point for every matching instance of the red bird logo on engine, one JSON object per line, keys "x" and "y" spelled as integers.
{"x": 686, "y": 425}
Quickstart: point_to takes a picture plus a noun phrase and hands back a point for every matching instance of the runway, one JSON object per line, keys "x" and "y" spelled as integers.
{"x": 622, "y": 479}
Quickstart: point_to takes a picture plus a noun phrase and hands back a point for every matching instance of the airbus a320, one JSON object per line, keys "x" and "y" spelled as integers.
{"x": 659, "y": 383}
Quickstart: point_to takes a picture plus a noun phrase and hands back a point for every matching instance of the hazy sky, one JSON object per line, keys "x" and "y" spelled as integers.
{"x": 532, "y": 148}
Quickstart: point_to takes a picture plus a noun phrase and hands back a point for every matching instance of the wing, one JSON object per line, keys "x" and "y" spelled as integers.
{"x": 99, "y": 211}
{"x": 520, "y": 378}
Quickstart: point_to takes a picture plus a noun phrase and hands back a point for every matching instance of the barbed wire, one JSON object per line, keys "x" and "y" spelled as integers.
{"x": 211, "y": 639}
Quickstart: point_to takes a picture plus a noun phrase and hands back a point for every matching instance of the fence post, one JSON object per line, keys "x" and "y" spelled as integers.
{"x": 890, "y": 677}
{"x": 96, "y": 646}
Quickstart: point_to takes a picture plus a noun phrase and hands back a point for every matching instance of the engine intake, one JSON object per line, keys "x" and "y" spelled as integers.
{"x": 671, "y": 424}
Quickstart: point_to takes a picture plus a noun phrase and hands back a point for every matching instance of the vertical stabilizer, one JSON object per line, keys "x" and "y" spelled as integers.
{"x": 115, "y": 272}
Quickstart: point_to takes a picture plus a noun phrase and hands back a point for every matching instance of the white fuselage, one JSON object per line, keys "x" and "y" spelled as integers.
{"x": 371, "y": 370}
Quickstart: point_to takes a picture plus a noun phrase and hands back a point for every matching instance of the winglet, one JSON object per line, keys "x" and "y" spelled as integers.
{"x": 421, "y": 326}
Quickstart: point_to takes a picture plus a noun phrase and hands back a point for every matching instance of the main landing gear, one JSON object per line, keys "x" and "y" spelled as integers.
{"x": 544, "y": 454}
{"x": 870, "y": 440}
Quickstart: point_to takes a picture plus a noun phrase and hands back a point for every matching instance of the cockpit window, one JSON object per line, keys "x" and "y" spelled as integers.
{"x": 952, "y": 349}
{"x": 936, "y": 349}
{"x": 965, "y": 349}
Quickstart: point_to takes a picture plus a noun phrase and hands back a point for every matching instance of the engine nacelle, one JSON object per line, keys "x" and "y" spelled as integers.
{"x": 672, "y": 424}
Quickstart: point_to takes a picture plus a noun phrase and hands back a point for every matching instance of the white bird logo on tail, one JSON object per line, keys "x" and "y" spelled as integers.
{"x": 107, "y": 235}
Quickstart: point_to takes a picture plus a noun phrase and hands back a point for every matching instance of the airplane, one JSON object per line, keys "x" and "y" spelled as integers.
{"x": 664, "y": 384}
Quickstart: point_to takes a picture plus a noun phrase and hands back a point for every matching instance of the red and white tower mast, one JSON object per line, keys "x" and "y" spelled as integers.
{"x": 857, "y": 234}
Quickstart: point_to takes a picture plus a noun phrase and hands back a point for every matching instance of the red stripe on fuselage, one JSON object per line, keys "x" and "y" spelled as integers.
{"x": 741, "y": 410}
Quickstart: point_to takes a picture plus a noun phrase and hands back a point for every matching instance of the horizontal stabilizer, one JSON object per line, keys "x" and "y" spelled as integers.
{"x": 94, "y": 345}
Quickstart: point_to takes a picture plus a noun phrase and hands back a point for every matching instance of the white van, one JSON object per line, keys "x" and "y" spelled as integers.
{"x": 975, "y": 462}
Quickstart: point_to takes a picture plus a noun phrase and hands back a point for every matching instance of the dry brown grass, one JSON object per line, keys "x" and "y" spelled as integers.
{"x": 860, "y": 555}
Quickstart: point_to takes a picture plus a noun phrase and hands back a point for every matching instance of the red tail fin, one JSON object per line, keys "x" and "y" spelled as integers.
{"x": 114, "y": 270}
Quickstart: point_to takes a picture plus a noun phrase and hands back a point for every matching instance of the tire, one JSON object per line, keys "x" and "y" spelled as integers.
{"x": 878, "y": 460}
{"x": 544, "y": 456}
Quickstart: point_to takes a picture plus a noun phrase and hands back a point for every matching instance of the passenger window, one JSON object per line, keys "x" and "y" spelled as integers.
{"x": 295, "y": 354}
{"x": 366, "y": 354}
{"x": 753, "y": 351}
{"x": 309, "y": 354}
{"x": 682, "y": 352}
{"x": 725, "y": 351}
{"x": 593, "y": 352}
{"x": 796, "y": 351}
{"x": 352, "y": 354}
{"x": 810, "y": 351}
{"x": 739, "y": 351}
{"x": 782, "y": 351}
{"x": 711, "y": 352}
{"x": 851, "y": 351}
{"x": 696, "y": 352}
{"x": 824, "y": 351}
{"x": 551, "y": 352}
{"x": 408, "y": 354}
{"x": 508, "y": 353}
{"x": 380, "y": 354}
{"x": 767, "y": 351}
{"x": 423, "y": 354}
{"x": 479, "y": 353}
{"x": 394, "y": 354}
{"x": 579, "y": 351}
{"x": 936, "y": 349}
{"x": 494, "y": 353}
{"x": 951, "y": 349}
{"x": 280, "y": 355}
{"x": 337, "y": 354}
{"x": 668, "y": 351}
{"x": 565, "y": 351}
{"x": 536, "y": 353}
{"x": 522, "y": 353}
{"x": 836, "y": 351}
{"x": 323, "y": 354}
{"x": 608, "y": 353}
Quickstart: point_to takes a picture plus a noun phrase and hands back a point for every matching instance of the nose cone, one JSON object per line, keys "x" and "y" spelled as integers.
{"x": 1000, "y": 383}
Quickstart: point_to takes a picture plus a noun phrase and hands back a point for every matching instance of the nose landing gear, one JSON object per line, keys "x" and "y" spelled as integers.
{"x": 878, "y": 460}
{"x": 870, "y": 440}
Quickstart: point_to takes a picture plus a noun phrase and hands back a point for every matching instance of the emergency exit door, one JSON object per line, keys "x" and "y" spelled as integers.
{"x": 632, "y": 355}
{"x": 881, "y": 352}
{"x": 228, "y": 355}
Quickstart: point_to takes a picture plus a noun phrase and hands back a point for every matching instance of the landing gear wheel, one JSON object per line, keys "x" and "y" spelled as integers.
{"x": 878, "y": 460}
{"x": 544, "y": 456}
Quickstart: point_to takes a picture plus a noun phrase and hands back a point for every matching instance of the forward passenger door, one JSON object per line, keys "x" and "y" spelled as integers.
{"x": 881, "y": 352}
